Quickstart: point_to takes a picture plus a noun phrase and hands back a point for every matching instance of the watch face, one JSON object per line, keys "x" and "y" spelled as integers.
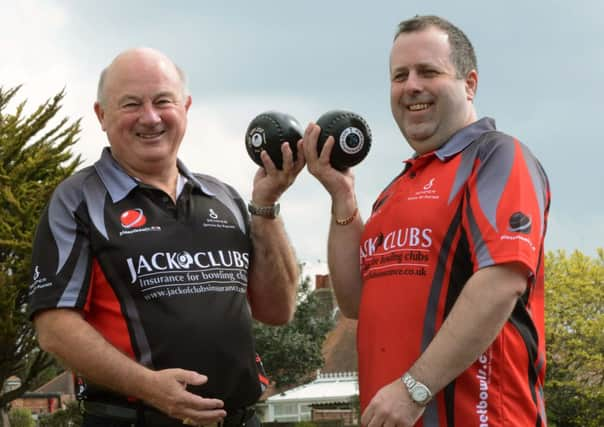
{"x": 419, "y": 394}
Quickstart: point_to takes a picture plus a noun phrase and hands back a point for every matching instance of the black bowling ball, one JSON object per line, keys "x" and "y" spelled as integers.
{"x": 268, "y": 131}
{"x": 352, "y": 137}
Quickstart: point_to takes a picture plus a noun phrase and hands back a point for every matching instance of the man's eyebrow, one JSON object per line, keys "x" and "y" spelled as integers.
{"x": 127, "y": 98}
{"x": 399, "y": 68}
{"x": 165, "y": 93}
{"x": 423, "y": 65}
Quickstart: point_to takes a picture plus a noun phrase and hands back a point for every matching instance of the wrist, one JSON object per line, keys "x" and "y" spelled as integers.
{"x": 143, "y": 385}
{"x": 263, "y": 198}
{"x": 344, "y": 212}
{"x": 419, "y": 393}
{"x": 345, "y": 220}
{"x": 270, "y": 211}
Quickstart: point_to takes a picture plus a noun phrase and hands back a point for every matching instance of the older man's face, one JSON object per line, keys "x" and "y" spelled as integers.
{"x": 143, "y": 111}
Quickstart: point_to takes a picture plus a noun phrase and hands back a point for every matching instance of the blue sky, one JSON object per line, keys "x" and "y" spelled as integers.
{"x": 541, "y": 70}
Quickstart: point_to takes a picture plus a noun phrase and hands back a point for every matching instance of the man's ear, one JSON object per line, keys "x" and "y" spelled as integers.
{"x": 188, "y": 102}
{"x": 100, "y": 114}
{"x": 471, "y": 82}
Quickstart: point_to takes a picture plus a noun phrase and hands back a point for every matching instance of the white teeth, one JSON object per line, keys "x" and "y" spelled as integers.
{"x": 418, "y": 107}
{"x": 149, "y": 135}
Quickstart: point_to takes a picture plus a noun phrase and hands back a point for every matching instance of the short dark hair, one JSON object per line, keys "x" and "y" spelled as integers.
{"x": 463, "y": 56}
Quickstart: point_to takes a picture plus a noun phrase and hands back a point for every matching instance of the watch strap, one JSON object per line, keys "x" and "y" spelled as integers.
{"x": 414, "y": 386}
{"x": 266, "y": 211}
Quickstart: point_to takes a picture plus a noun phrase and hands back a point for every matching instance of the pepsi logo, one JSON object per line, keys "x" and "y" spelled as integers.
{"x": 133, "y": 218}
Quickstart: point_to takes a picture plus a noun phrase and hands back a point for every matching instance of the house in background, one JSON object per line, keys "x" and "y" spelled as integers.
{"x": 333, "y": 394}
{"x": 52, "y": 396}
{"x": 330, "y": 396}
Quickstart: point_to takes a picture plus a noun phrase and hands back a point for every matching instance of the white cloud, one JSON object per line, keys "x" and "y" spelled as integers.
{"x": 30, "y": 44}
{"x": 32, "y": 36}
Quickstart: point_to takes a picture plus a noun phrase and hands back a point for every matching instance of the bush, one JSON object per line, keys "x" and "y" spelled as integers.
{"x": 70, "y": 416}
{"x": 21, "y": 417}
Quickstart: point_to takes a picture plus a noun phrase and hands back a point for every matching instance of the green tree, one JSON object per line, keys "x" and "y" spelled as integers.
{"x": 293, "y": 351}
{"x": 21, "y": 417}
{"x": 34, "y": 158}
{"x": 70, "y": 416}
{"x": 574, "y": 387}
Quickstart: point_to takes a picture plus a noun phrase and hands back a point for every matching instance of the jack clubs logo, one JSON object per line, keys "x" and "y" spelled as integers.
{"x": 133, "y": 218}
{"x": 184, "y": 259}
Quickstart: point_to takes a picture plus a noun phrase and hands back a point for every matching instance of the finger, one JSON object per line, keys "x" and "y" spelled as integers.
{"x": 210, "y": 404}
{"x": 367, "y": 415}
{"x": 311, "y": 135}
{"x": 389, "y": 422}
{"x": 326, "y": 150}
{"x": 189, "y": 377}
{"x": 376, "y": 421}
{"x": 288, "y": 156}
{"x": 301, "y": 159}
{"x": 267, "y": 162}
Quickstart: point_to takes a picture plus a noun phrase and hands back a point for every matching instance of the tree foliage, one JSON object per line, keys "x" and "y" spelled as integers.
{"x": 574, "y": 387}
{"x": 21, "y": 417}
{"x": 291, "y": 352}
{"x": 70, "y": 416}
{"x": 34, "y": 158}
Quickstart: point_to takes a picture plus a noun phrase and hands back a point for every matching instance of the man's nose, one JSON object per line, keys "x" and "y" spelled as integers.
{"x": 413, "y": 84}
{"x": 149, "y": 114}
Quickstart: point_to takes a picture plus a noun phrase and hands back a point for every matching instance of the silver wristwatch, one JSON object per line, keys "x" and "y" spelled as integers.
{"x": 266, "y": 211}
{"x": 419, "y": 392}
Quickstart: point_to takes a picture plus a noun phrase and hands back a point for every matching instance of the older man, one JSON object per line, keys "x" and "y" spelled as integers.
{"x": 146, "y": 276}
{"x": 448, "y": 287}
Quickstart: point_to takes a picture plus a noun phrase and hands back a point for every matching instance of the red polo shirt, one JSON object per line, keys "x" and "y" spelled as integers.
{"x": 480, "y": 200}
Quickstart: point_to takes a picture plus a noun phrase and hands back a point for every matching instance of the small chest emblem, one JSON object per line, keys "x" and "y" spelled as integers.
{"x": 133, "y": 218}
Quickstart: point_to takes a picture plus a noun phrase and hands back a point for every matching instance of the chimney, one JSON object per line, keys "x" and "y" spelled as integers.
{"x": 322, "y": 281}
{"x": 324, "y": 294}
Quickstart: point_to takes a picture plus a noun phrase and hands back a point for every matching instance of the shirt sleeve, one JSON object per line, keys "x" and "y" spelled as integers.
{"x": 506, "y": 204}
{"x": 61, "y": 256}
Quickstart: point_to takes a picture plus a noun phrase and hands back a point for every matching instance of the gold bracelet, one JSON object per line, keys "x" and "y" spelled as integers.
{"x": 348, "y": 220}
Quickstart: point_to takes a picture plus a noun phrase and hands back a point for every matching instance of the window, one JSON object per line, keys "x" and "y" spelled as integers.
{"x": 286, "y": 409}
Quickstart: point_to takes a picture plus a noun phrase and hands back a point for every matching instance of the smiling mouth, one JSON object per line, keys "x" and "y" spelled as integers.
{"x": 150, "y": 135}
{"x": 418, "y": 107}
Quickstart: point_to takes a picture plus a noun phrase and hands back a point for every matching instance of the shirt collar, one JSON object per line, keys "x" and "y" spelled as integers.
{"x": 118, "y": 183}
{"x": 192, "y": 179}
{"x": 464, "y": 137}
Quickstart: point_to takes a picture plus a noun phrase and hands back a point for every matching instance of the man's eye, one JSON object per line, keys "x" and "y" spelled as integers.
{"x": 130, "y": 105}
{"x": 163, "y": 101}
{"x": 400, "y": 77}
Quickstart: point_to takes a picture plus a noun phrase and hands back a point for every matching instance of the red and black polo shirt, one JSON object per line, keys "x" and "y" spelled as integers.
{"x": 164, "y": 282}
{"x": 480, "y": 200}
